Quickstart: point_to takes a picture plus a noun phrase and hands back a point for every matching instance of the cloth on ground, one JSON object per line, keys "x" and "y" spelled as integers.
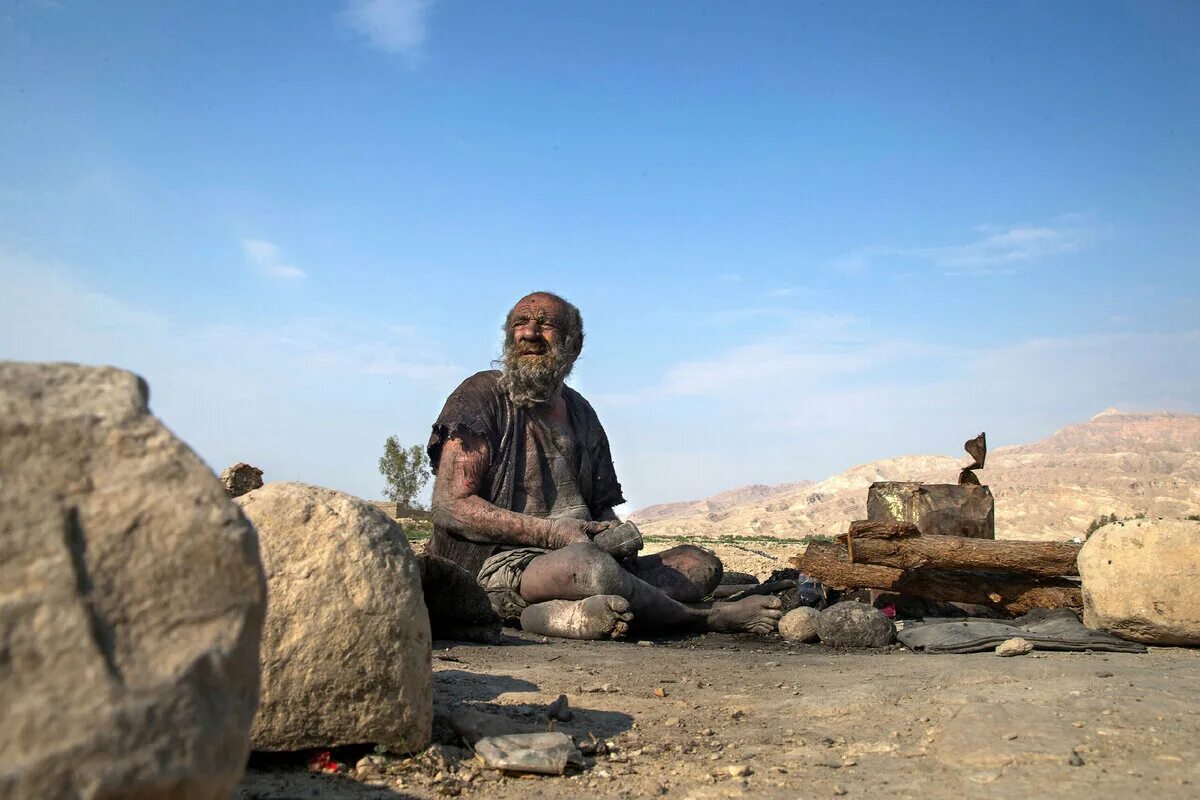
{"x": 500, "y": 577}
{"x": 1046, "y": 629}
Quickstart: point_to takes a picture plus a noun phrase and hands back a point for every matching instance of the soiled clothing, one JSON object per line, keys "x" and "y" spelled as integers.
{"x": 500, "y": 577}
{"x": 535, "y": 468}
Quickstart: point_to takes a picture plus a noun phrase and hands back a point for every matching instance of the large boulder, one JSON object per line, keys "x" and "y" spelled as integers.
{"x": 1141, "y": 581}
{"x": 133, "y": 598}
{"x": 346, "y": 647}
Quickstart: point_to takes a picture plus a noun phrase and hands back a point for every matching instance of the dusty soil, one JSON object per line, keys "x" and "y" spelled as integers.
{"x": 743, "y": 717}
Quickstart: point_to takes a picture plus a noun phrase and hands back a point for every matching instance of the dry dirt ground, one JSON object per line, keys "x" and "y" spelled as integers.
{"x": 745, "y": 717}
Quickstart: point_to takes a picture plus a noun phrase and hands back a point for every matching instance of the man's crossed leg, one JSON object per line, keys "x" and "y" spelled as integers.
{"x": 581, "y": 592}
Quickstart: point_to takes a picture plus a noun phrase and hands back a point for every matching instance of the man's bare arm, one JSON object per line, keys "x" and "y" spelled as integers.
{"x": 458, "y": 507}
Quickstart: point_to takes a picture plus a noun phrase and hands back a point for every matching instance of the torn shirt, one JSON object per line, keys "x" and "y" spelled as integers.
{"x": 534, "y": 467}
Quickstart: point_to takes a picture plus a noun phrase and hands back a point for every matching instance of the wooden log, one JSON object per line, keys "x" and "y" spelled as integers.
{"x": 1046, "y": 559}
{"x": 1014, "y": 594}
{"x": 882, "y": 529}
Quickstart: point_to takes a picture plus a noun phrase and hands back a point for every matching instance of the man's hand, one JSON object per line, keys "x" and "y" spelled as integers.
{"x": 620, "y": 541}
{"x": 568, "y": 530}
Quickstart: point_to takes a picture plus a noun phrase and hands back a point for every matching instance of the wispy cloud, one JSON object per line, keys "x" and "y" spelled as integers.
{"x": 314, "y": 396}
{"x": 394, "y": 26}
{"x": 994, "y": 250}
{"x": 729, "y": 277}
{"x": 830, "y": 393}
{"x": 268, "y": 259}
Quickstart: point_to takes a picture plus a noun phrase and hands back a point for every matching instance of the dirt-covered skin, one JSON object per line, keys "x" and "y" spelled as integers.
{"x": 807, "y": 720}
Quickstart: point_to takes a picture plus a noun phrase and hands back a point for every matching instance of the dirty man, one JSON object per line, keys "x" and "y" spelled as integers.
{"x": 524, "y": 499}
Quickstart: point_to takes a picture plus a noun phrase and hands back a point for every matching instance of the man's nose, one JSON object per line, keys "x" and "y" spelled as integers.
{"x": 530, "y": 331}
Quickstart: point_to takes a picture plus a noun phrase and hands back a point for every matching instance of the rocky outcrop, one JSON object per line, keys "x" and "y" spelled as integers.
{"x": 241, "y": 478}
{"x": 1141, "y": 581}
{"x": 133, "y": 598}
{"x": 346, "y": 647}
{"x": 1049, "y": 490}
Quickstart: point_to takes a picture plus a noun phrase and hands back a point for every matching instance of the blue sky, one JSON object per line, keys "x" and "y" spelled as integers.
{"x": 803, "y": 236}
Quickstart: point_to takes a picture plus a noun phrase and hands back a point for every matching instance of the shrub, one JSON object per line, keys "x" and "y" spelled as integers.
{"x": 405, "y": 470}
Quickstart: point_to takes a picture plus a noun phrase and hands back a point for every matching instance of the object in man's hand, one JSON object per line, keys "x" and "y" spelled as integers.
{"x": 620, "y": 542}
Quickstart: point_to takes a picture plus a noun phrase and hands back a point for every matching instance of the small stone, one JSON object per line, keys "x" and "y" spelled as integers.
{"x": 706, "y": 732}
{"x": 737, "y": 714}
{"x": 740, "y": 770}
{"x": 1075, "y": 760}
{"x": 1104, "y": 674}
{"x": 799, "y": 625}
{"x": 241, "y": 478}
{"x": 838, "y": 790}
{"x": 1010, "y": 736}
{"x": 644, "y": 643}
{"x": 1077, "y": 724}
{"x": 853, "y": 624}
{"x": 560, "y": 710}
{"x": 1014, "y": 647}
{"x": 660, "y": 692}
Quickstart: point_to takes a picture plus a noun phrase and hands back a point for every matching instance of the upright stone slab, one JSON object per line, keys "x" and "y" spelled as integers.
{"x": 131, "y": 598}
{"x": 346, "y": 647}
{"x": 943, "y": 509}
{"x": 1141, "y": 581}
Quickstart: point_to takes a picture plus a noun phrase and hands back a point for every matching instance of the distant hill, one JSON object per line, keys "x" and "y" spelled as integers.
{"x": 1051, "y": 489}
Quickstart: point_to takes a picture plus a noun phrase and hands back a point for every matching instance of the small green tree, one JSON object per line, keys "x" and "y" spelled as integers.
{"x": 405, "y": 470}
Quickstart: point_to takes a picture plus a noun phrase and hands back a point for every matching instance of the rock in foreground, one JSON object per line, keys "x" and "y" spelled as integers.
{"x": 852, "y": 624}
{"x": 133, "y": 598}
{"x": 1141, "y": 581}
{"x": 346, "y": 647}
{"x": 800, "y": 624}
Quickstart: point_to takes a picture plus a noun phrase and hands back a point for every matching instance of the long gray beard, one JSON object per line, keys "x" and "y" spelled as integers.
{"x": 533, "y": 381}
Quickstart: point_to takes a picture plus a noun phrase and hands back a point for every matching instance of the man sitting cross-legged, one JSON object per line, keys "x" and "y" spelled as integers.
{"x": 524, "y": 499}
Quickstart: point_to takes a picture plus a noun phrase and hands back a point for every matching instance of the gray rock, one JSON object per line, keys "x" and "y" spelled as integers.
{"x": 851, "y": 624}
{"x": 346, "y": 647}
{"x": 800, "y": 624}
{"x": 1014, "y": 647}
{"x": 1141, "y": 581}
{"x": 133, "y": 598}
{"x": 241, "y": 478}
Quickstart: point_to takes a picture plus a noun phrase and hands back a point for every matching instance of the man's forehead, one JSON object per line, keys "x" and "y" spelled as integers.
{"x": 539, "y": 304}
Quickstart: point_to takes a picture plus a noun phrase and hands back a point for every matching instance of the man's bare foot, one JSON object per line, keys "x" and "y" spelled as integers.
{"x": 602, "y": 616}
{"x": 758, "y": 614}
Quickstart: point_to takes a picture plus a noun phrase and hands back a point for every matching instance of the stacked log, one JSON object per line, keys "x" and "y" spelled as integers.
{"x": 1010, "y": 576}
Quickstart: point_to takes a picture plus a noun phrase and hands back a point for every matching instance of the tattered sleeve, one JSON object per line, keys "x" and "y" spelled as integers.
{"x": 471, "y": 408}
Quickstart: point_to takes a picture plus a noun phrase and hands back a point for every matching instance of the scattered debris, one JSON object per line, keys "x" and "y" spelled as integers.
{"x": 542, "y": 753}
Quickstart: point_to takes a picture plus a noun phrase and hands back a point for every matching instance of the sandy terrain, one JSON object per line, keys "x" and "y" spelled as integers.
{"x": 807, "y": 720}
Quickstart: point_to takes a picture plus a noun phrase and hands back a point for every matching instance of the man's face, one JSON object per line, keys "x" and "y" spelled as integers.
{"x": 537, "y": 328}
{"x": 536, "y": 359}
